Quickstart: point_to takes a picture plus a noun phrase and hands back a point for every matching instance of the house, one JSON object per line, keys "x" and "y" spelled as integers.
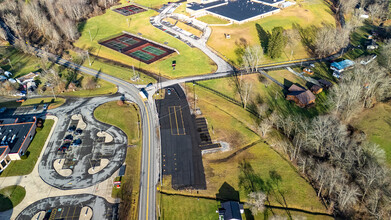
{"x": 308, "y": 71}
{"x": 231, "y": 210}
{"x": 315, "y": 89}
{"x": 26, "y": 78}
{"x": 342, "y": 66}
{"x": 302, "y": 97}
{"x": 15, "y": 138}
{"x": 325, "y": 84}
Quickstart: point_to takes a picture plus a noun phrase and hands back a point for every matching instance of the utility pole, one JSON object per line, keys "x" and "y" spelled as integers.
{"x": 89, "y": 30}
{"x": 194, "y": 96}
{"x": 88, "y": 55}
{"x": 9, "y": 61}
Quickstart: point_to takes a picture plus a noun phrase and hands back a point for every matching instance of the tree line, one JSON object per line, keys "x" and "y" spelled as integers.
{"x": 49, "y": 23}
{"x": 349, "y": 173}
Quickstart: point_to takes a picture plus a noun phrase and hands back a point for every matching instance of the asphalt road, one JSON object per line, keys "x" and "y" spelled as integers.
{"x": 150, "y": 153}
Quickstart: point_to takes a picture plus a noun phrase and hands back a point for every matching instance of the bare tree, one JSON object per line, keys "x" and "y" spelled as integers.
{"x": 256, "y": 202}
{"x": 252, "y": 57}
{"x": 385, "y": 55}
{"x": 347, "y": 196}
{"x": 265, "y": 127}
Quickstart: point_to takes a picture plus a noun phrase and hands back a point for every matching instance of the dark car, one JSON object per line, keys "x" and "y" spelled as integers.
{"x": 72, "y": 128}
{"x": 64, "y": 147}
{"x": 35, "y": 107}
{"x": 45, "y": 106}
{"x": 68, "y": 138}
{"x": 78, "y": 131}
{"x": 76, "y": 142}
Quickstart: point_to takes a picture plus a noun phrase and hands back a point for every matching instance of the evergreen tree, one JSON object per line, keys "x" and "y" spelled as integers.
{"x": 277, "y": 42}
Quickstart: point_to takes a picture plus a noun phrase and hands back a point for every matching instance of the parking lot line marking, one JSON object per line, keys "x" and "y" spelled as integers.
{"x": 183, "y": 123}
{"x": 169, "y": 115}
{"x": 176, "y": 121}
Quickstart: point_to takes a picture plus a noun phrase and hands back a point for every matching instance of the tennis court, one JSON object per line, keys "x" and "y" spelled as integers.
{"x": 154, "y": 50}
{"x": 138, "y": 48}
{"x": 129, "y": 10}
{"x": 142, "y": 55}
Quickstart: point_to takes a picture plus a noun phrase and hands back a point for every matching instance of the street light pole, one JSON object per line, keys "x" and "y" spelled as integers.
{"x": 194, "y": 96}
{"x": 88, "y": 56}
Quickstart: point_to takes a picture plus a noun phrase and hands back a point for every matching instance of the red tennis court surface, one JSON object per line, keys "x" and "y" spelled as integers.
{"x": 129, "y": 10}
{"x": 137, "y": 48}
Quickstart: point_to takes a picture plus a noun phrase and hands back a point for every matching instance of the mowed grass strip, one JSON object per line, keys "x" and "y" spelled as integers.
{"x": 53, "y": 103}
{"x": 11, "y": 196}
{"x": 190, "y": 61}
{"x": 126, "y": 117}
{"x": 26, "y": 166}
{"x": 210, "y": 19}
{"x": 181, "y": 207}
{"x": 376, "y": 123}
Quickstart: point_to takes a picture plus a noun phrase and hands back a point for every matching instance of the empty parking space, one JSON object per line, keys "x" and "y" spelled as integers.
{"x": 176, "y": 120}
{"x": 65, "y": 213}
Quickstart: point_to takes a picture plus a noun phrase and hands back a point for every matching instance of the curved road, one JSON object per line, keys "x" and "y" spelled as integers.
{"x": 150, "y": 155}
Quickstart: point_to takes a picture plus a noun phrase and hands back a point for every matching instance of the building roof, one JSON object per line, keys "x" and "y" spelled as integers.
{"x": 11, "y": 127}
{"x": 28, "y": 77}
{"x": 325, "y": 82}
{"x": 342, "y": 64}
{"x": 303, "y": 95}
{"x": 315, "y": 88}
{"x": 196, "y": 6}
{"x": 240, "y": 10}
{"x": 230, "y": 210}
{"x": 296, "y": 88}
{"x": 271, "y": 2}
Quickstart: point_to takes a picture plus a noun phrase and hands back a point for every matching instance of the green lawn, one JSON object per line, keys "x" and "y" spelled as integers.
{"x": 180, "y": 207}
{"x": 305, "y": 13}
{"x": 150, "y": 3}
{"x": 103, "y": 88}
{"x": 53, "y": 103}
{"x": 376, "y": 123}
{"x": 128, "y": 123}
{"x": 26, "y": 166}
{"x": 190, "y": 61}
{"x": 11, "y": 196}
{"x": 21, "y": 63}
{"x": 230, "y": 123}
{"x": 210, "y": 19}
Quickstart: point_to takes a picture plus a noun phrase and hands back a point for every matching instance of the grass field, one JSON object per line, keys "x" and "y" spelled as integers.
{"x": 18, "y": 63}
{"x": 180, "y": 207}
{"x": 150, "y": 3}
{"x": 190, "y": 61}
{"x": 11, "y": 196}
{"x": 210, "y": 19}
{"x": 103, "y": 88}
{"x": 53, "y": 103}
{"x": 128, "y": 123}
{"x": 26, "y": 166}
{"x": 230, "y": 123}
{"x": 305, "y": 13}
{"x": 376, "y": 123}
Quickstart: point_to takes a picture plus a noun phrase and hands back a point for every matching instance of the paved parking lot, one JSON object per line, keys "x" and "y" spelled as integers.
{"x": 89, "y": 153}
{"x": 69, "y": 207}
{"x": 181, "y": 156}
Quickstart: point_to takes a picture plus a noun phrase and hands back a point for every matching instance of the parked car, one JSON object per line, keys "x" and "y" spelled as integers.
{"x": 45, "y": 106}
{"x": 72, "y": 128}
{"x": 21, "y": 100}
{"x": 64, "y": 147}
{"x": 68, "y": 138}
{"x": 76, "y": 142}
{"x": 78, "y": 131}
{"x": 169, "y": 91}
{"x": 35, "y": 107}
